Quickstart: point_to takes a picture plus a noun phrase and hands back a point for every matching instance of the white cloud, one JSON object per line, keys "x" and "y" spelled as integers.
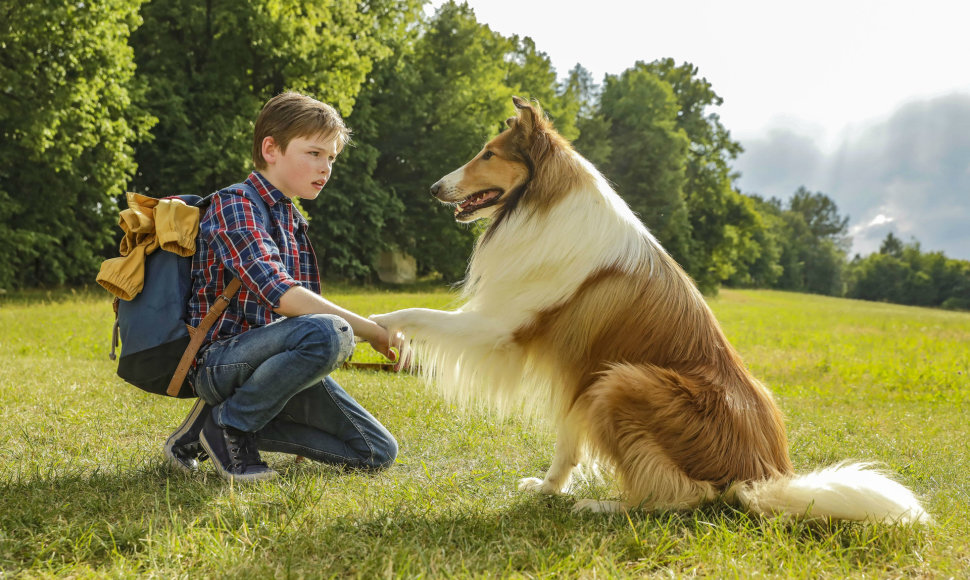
{"x": 880, "y": 220}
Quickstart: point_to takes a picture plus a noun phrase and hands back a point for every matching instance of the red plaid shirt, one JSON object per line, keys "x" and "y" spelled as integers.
{"x": 269, "y": 259}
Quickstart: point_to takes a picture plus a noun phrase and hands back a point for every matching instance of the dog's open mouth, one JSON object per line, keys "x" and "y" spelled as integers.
{"x": 477, "y": 201}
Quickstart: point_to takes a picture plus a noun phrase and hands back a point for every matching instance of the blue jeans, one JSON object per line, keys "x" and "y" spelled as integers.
{"x": 274, "y": 381}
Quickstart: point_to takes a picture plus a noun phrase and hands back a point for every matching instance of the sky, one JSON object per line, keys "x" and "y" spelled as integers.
{"x": 865, "y": 101}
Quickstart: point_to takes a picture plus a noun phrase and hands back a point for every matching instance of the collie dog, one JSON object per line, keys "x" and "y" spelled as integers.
{"x": 572, "y": 309}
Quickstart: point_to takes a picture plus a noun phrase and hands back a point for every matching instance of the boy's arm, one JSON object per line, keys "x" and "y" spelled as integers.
{"x": 298, "y": 301}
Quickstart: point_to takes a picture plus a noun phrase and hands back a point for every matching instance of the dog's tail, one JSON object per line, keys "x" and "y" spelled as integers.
{"x": 847, "y": 491}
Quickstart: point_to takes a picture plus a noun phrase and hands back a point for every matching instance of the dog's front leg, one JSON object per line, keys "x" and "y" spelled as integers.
{"x": 565, "y": 460}
{"x": 460, "y": 332}
{"x": 466, "y": 327}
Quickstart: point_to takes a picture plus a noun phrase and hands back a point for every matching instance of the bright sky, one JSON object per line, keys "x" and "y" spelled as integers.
{"x": 825, "y": 68}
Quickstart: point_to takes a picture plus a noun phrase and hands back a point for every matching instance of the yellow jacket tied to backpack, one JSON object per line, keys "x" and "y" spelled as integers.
{"x": 148, "y": 224}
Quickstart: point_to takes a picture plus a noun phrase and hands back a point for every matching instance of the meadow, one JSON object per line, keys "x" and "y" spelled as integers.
{"x": 84, "y": 491}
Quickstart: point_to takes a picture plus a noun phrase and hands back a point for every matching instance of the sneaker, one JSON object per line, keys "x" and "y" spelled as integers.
{"x": 233, "y": 452}
{"x": 182, "y": 449}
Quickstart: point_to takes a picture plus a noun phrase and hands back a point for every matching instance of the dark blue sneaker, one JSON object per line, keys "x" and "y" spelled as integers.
{"x": 233, "y": 452}
{"x": 182, "y": 449}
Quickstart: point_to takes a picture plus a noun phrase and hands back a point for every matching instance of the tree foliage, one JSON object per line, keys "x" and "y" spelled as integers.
{"x": 427, "y": 110}
{"x": 648, "y": 153}
{"x": 210, "y": 66}
{"x": 68, "y": 123}
{"x": 903, "y": 274}
{"x": 93, "y": 102}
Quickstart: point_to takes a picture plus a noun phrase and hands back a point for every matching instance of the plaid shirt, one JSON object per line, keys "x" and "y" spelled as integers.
{"x": 268, "y": 259}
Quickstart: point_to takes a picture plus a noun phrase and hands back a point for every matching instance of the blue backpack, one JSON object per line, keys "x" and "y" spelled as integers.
{"x": 158, "y": 345}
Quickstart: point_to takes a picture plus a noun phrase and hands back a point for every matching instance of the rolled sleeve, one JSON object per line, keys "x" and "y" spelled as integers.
{"x": 240, "y": 241}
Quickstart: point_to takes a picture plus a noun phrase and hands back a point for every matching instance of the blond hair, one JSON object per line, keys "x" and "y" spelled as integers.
{"x": 290, "y": 115}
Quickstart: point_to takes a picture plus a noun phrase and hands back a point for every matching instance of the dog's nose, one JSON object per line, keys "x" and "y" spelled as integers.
{"x": 436, "y": 188}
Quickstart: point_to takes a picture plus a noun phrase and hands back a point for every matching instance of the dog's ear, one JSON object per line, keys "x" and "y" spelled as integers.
{"x": 530, "y": 126}
{"x": 528, "y": 118}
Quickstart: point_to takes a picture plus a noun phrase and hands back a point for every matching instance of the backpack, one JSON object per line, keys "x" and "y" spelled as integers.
{"x": 158, "y": 346}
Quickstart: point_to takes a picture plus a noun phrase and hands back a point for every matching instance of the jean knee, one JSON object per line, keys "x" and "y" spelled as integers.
{"x": 328, "y": 336}
{"x": 384, "y": 453}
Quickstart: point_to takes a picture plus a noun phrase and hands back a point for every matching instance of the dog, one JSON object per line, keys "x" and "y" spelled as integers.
{"x": 573, "y": 310}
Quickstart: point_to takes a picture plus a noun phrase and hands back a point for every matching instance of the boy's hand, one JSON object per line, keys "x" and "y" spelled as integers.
{"x": 395, "y": 340}
{"x": 394, "y": 345}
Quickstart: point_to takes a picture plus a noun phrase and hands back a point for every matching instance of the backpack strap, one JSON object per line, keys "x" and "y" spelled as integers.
{"x": 199, "y": 333}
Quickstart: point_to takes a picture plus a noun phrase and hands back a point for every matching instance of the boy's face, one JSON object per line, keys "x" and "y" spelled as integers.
{"x": 304, "y": 168}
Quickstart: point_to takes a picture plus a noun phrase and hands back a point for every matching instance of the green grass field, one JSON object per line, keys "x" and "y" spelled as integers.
{"x": 84, "y": 491}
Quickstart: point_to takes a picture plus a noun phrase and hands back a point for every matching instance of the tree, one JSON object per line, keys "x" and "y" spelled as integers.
{"x": 210, "y": 66}
{"x": 878, "y": 277}
{"x": 648, "y": 154}
{"x": 353, "y": 212}
{"x": 759, "y": 265}
{"x": 427, "y": 110}
{"x": 891, "y": 246}
{"x": 68, "y": 117}
{"x": 818, "y": 243}
{"x": 723, "y": 224}
{"x": 434, "y": 107}
{"x": 593, "y": 142}
{"x": 821, "y": 215}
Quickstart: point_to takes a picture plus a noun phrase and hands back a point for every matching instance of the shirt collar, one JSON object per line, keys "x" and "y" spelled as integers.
{"x": 266, "y": 190}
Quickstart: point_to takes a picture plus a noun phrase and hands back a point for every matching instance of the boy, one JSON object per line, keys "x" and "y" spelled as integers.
{"x": 263, "y": 376}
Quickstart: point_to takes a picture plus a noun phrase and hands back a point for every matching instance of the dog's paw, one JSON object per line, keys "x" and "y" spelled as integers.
{"x": 539, "y": 485}
{"x": 397, "y": 321}
{"x": 386, "y": 320}
{"x": 596, "y": 506}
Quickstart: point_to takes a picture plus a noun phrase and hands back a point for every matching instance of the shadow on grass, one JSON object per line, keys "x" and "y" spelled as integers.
{"x": 290, "y": 528}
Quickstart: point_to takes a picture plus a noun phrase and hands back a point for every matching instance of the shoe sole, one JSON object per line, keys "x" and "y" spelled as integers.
{"x": 225, "y": 474}
{"x": 182, "y": 430}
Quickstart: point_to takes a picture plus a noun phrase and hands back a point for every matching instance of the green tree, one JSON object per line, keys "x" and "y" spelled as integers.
{"x": 891, "y": 246}
{"x": 878, "y": 277}
{"x": 902, "y": 273}
{"x": 68, "y": 119}
{"x": 593, "y": 142}
{"x": 427, "y": 110}
{"x": 821, "y": 215}
{"x": 759, "y": 266}
{"x": 723, "y": 224}
{"x": 435, "y": 107}
{"x": 211, "y": 65}
{"x": 817, "y": 244}
{"x": 353, "y": 211}
{"x": 648, "y": 154}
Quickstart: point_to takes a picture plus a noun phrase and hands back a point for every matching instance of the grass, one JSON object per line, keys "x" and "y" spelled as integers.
{"x": 84, "y": 491}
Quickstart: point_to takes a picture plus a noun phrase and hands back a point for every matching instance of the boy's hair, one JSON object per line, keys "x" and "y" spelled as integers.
{"x": 290, "y": 115}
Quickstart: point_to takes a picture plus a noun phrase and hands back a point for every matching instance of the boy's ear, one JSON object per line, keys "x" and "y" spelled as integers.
{"x": 270, "y": 150}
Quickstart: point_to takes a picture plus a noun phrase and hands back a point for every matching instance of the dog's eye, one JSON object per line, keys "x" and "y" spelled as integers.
{"x": 488, "y": 155}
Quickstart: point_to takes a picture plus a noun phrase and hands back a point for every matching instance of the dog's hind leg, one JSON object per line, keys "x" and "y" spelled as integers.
{"x": 568, "y": 446}
{"x": 629, "y": 410}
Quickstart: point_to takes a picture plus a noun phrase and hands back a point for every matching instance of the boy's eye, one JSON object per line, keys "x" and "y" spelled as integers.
{"x": 488, "y": 155}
